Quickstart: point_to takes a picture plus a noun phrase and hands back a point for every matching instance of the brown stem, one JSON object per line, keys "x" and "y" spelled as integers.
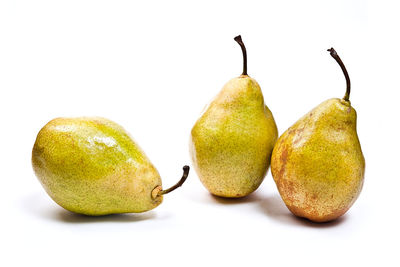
{"x": 346, "y": 75}
{"x": 181, "y": 181}
{"x": 238, "y": 39}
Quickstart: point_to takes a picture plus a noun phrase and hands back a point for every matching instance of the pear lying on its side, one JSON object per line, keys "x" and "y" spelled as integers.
{"x": 92, "y": 166}
{"x": 232, "y": 142}
{"x": 317, "y": 164}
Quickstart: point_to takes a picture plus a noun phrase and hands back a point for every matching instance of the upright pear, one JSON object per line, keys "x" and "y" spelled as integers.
{"x": 317, "y": 164}
{"x": 231, "y": 143}
{"x": 91, "y": 165}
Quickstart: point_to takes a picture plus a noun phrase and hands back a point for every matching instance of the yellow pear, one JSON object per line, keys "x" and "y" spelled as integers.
{"x": 317, "y": 164}
{"x": 92, "y": 166}
{"x": 231, "y": 143}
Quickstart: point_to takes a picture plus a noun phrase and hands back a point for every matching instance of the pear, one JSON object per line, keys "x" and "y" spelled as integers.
{"x": 91, "y": 165}
{"x": 317, "y": 164}
{"x": 231, "y": 143}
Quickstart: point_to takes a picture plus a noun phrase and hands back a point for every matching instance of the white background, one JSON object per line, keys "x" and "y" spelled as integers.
{"x": 152, "y": 66}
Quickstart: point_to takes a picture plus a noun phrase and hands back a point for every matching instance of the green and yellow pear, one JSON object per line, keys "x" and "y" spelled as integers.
{"x": 317, "y": 164}
{"x": 92, "y": 166}
{"x": 231, "y": 143}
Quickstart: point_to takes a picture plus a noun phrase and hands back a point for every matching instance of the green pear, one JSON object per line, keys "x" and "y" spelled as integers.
{"x": 231, "y": 143}
{"x": 317, "y": 164}
{"x": 91, "y": 165}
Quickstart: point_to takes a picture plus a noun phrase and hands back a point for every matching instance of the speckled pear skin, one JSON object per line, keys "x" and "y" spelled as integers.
{"x": 91, "y": 165}
{"x": 318, "y": 165}
{"x": 232, "y": 142}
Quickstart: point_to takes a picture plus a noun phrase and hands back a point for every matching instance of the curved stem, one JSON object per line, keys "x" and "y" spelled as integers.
{"x": 181, "y": 181}
{"x": 346, "y": 75}
{"x": 238, "y": 39}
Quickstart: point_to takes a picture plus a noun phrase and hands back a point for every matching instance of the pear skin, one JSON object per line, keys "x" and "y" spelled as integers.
{"x": 231, "y": 143}
{"x": 317, "y": 164}
{"x": 91, "y": 165}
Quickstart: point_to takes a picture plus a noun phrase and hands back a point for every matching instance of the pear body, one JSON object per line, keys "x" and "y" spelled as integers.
{"x": 318, "y": 165}
{"x": 91, "y": 165}
{"x": 231, "y": 143}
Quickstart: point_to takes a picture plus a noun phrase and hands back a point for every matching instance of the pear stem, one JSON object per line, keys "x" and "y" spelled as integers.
{"x": 346, "y": 75}
{"x": 238, "y": 39}
{"x": 181, "y": 181}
